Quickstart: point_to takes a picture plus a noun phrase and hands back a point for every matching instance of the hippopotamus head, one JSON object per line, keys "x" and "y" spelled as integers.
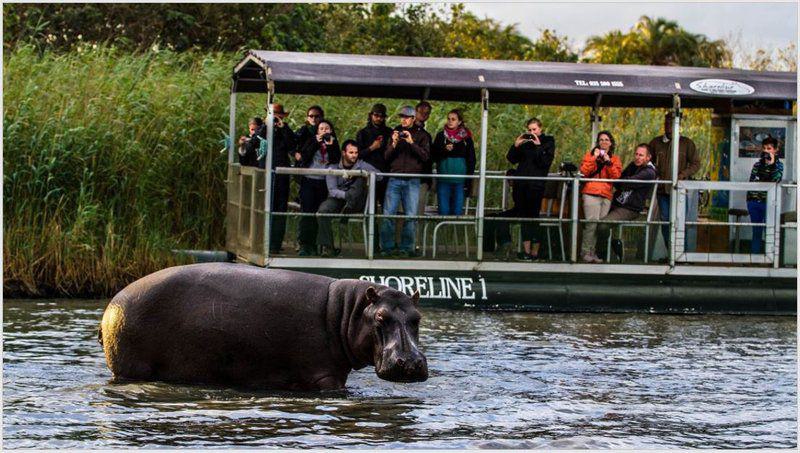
{"x": 394, "y": 320}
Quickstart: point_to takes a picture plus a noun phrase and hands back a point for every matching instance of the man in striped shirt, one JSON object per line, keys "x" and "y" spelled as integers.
{"x": 767, "y": 169}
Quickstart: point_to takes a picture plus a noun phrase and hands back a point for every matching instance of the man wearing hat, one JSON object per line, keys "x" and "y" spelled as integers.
{"x": 282, "y": 148}
{"x": 371, "y": 141}
{"x": 688, "y": 165}
{"x": 408, "y": 150}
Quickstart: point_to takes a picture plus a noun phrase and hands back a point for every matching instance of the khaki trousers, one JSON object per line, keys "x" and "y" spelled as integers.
{"x": 594, "y": 208}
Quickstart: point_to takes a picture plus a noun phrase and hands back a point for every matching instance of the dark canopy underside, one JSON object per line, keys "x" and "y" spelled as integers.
{"x": 518, "y": 82}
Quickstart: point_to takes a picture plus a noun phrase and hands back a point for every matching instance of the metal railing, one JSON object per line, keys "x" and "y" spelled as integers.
{"x": 369, "y": 215}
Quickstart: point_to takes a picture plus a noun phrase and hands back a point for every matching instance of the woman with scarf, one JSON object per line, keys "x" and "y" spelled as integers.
{"x": 454, "y": 154}
{"x": 318, "y": 151}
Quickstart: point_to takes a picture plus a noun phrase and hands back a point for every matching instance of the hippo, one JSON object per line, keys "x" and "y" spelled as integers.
{"x": 244, "y": 326}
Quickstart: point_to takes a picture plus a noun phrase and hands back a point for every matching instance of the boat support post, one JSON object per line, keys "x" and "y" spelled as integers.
{"x": 268, "y": 165}
{"x": 482, "y": 175}
{"x": 232, "y": 125}
{"x": 673, "y": 201}
{"x": 596, "y": 119}
{"x": 371, "y": 218}
{"x": 573, "y": 214}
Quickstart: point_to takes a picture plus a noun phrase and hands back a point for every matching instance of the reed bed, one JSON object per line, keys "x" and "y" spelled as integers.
{"x": 112, "y": 159}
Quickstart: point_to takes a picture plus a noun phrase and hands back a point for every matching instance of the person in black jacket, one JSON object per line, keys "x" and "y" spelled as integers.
{"x": 453, "y": 151}
{"x": 371, "y": 141}
{"x": 319, "y": 151}
{"x": 533, "y": 153}
{"x": 630, "y": 197}
{"x": 283, "y": 147}
{"x": 314, "y": 115}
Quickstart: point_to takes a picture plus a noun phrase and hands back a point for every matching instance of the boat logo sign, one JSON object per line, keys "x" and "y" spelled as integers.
{"x": 722, "y": 86}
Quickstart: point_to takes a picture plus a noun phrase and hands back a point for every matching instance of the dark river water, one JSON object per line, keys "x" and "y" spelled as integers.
{"x": 497, "y": 380}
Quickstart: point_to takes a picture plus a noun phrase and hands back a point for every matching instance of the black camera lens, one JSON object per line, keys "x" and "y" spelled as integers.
{"x": 326, "y": 137}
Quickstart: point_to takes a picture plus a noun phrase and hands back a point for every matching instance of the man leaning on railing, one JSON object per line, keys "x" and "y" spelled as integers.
{"x": 630, "y": 197}
{"x": 346, "y": 195}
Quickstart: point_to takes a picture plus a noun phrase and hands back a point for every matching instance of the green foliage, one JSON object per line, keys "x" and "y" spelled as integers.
{"x": 551, "y": 47}
{"x": 408, "y": 29}
{"x": 657, "y": 42}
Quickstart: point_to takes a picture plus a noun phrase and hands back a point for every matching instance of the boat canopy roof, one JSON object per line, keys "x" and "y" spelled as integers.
{"x": 516, "y": 82}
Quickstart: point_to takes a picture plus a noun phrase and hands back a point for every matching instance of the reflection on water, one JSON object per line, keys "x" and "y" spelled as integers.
{"x": 497, "y": 380}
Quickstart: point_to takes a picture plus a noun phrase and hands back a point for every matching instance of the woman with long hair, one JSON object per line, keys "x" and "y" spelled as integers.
{"x": 318, "y": 151}
{"x": 454, "y": 154}
{"x": 600, "y": 163}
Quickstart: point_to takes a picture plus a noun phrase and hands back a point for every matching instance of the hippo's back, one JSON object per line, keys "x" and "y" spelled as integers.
{"x": 213, "y": 322}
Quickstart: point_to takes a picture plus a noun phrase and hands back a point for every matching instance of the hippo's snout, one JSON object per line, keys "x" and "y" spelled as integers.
{"x": 412, "y": 367}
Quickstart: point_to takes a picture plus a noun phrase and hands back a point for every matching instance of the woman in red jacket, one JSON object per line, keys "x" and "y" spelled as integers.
{"x": 596, "y": 196}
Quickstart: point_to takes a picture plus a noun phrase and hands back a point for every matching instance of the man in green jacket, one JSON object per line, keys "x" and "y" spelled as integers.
{"x": 688, "y": 165}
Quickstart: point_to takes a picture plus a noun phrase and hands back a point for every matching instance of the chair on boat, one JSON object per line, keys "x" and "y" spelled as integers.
{"x": 649, "y": 213}
{"x": 454, "y": 222}
{"x": 465, "y": 223}
{"x": 559, "y": 189}
{"x": 554, "y": 192}
{"x": 346, "y": 221}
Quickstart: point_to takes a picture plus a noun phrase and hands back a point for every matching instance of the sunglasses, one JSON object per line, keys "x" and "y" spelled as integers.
{"x": 315, "y": 116}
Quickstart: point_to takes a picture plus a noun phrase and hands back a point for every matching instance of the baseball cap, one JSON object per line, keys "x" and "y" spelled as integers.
{"x": 407, "y": 110}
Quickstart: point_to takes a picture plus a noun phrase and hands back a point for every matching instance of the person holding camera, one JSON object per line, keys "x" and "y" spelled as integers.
{"x": 454, "y": 153}
{"x": 408, "y": 150}
{"x": 248, "y": 145}
{"x": 600, "y": 163}
{"x": 346, "y": 194}
{"x": 282, "y": 148}
{"x": 768, "y": 168}
{"x": 319, "y": 151}
{"x": 533, "y": 152}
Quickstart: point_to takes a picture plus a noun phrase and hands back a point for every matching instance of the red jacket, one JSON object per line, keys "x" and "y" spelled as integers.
{"x": 611, "y": 170}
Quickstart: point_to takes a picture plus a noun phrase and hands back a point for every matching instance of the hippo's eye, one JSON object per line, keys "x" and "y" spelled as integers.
{"x": 380, "y": 318}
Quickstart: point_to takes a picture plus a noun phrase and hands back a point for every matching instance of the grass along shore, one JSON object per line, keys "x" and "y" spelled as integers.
{"x": 112, "y": 159}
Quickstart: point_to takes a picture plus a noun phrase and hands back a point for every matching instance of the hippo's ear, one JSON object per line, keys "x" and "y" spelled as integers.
{"x": 372, "y": 295}
{"x": 415, "y": 298}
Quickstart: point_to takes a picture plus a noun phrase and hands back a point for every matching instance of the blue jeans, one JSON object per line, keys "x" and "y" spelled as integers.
{"x": 758, "y": 213}
{"x": 663, "y": 215}
{"x": 405, "y": 191}
{"x": 690, "y": 241}
{"x": 451, "y": 197}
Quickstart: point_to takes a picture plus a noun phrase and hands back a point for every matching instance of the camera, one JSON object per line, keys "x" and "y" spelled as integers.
{"x": 527, "y": 136}
{"x": 326, "y": 137}
{"x": 568, "y": 168}
{"x": 404, "y": 134}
